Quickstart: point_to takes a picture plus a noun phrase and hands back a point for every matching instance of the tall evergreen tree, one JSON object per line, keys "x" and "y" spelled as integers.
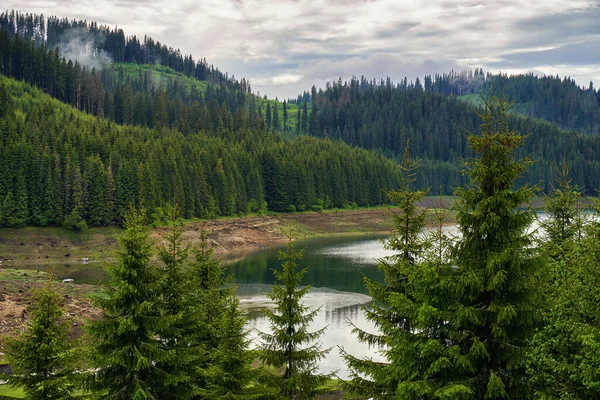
{"x": 499, "y": 272}
{"x": 291, "y": 347}
{"x": 285, "y": 116}
{"x": 563, "y": 358}
{"x": 230, "y": 374}
{"x": 41, "y": 357}
{"x": 126, "y": 350}
{"x": 177, "y": 316}
{"x": 275, "y": 122}
{"x": 268, "y": 119}
{"x": 395, "y": 309}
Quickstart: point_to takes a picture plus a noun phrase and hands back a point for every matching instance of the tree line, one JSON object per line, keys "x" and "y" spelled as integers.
{"x": 60, "y": 166}
{"x": 552, "y": 98}
{"x": 382, "y": 116}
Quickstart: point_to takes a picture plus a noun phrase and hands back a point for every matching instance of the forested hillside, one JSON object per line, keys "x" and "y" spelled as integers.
{"x": 60, "y": 165}
{"x": 546, "y": 97}
{"x": 194, "y": 136}
{"x": 383, "y": 116}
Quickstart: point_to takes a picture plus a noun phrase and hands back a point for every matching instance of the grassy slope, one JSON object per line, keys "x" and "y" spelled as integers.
{"x": 161, "y": 75}
{"x": 477, "y": 100}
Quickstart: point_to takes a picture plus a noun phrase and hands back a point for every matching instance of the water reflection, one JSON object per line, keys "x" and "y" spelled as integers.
{"x": 339, "y": 313}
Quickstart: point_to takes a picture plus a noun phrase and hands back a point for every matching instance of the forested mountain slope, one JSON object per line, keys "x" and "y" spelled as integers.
{"x": 153, "y": 86}
{"x": 61, "y": 165}
{"x": 383, "y": 116}
{"x": 546, "y": 97}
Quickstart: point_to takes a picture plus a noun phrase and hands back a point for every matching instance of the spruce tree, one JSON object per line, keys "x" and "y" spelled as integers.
{"x": 177, "y": 316}
{"x": 563, "y": 358}
{"x": 291, "y": 348}
{"x": 394, "y": 307}
{"x": 126, "y": 349}
{"x": 41, "y": 357}
{"x": 209, "y": 292}
{"x": 230, "y": 374}
{"x": 268, "y": 116}
{"x": 564, "y": 221}
{"x": 275, "y": 122}
{"x": 499, "y": 274}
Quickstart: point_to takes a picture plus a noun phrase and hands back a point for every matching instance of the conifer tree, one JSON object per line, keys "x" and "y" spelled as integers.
{"x": 290, "y": 347}
{"x": 275, "y": 122}
{"x": 564, "y": 219}
{"x": 285, "y": 116}
{"x": 177, "y": 316}
{"x": 499, "y": 273}
{"x": 209, "y": 292}
{"x": 268, "y": 116}
{"x": 41, "y": 357}
{"x": 393, "y": 307}
{"x": 230, "y": 374}
{"x": 126, "y": 350}
{"x": 563, "y": 357}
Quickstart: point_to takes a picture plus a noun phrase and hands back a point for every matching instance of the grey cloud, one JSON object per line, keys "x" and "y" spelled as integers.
{"x": 320, "y": 41}
{"x": 577, "y": 54}
{"x": 396, "y": 30}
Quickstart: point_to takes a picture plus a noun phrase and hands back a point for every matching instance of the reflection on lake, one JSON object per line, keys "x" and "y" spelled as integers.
{"x": 336, "y": 269}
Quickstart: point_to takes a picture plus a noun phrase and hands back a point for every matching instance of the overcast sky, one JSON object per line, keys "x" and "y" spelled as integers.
{"x": 286, "y": 46}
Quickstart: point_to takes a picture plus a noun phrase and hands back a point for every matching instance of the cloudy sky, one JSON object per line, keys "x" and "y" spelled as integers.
{"x": 286, "y": 46}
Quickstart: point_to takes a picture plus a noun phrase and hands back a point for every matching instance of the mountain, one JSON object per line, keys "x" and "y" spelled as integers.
{"x": 550, "y": 98}
{"x": 382, "y": 116}
{"x": 116, "y": 121}
{"x": 59, "y": 164}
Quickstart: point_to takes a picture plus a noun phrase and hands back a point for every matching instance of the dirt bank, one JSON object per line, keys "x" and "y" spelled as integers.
{"x": 229, "y": 236}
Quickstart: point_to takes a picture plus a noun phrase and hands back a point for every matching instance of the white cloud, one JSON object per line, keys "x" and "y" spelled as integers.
{"x": 284, "y": 47}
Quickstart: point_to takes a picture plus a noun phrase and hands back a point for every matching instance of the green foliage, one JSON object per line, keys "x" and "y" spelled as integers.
{"x": 41, "y": 357}
{"x": 563, "y": 358}
{"x": 178, "y": 317}
{"x": 499, "y": 275}
{"x": 75, "y": 222}
{"x": 291, "y": 348}
{"x": 382, "y": 116}
{"x": 230, "y": 374}
{"x": 125, "y": 345}
{"x": 94, "y": 170}
{"x": 409, "y": 309}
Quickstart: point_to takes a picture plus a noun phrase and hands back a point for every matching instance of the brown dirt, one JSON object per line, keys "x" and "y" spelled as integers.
{"x": 15, "y": 297}
{"x": 236, "y": 235}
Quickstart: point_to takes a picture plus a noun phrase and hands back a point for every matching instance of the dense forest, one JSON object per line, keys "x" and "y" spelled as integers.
{"x": 550, "y": 98}
{"x": 60, "y": 165}
{"x": 164, "y": 100}
{"x": 382, "y": 116}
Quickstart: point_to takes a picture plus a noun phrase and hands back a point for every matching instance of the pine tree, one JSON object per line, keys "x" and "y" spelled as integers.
{"x": 208, "y": 290}
{"x": 126, "y": 348}
{"x": 268, "y": 116}
{"x": 291, "y": 347}
{"x": 41, "y": 357}
{"x": 394, "y": 309}
{"x": 499, "y": 274}
{"x": 177, "y": 316}
{"x": 563, "y": 357}
{"x": 564, "y": 221}
{"x": 285, "y": 116}
{"x": 276, "y": 124}
{"x": 230, "y": 373}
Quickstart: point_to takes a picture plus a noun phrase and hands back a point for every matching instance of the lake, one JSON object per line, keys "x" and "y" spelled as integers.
{"x": 336, "y": 269}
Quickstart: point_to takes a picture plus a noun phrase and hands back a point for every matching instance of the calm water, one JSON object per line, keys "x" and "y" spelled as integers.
{"x": 336, "y": 269}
